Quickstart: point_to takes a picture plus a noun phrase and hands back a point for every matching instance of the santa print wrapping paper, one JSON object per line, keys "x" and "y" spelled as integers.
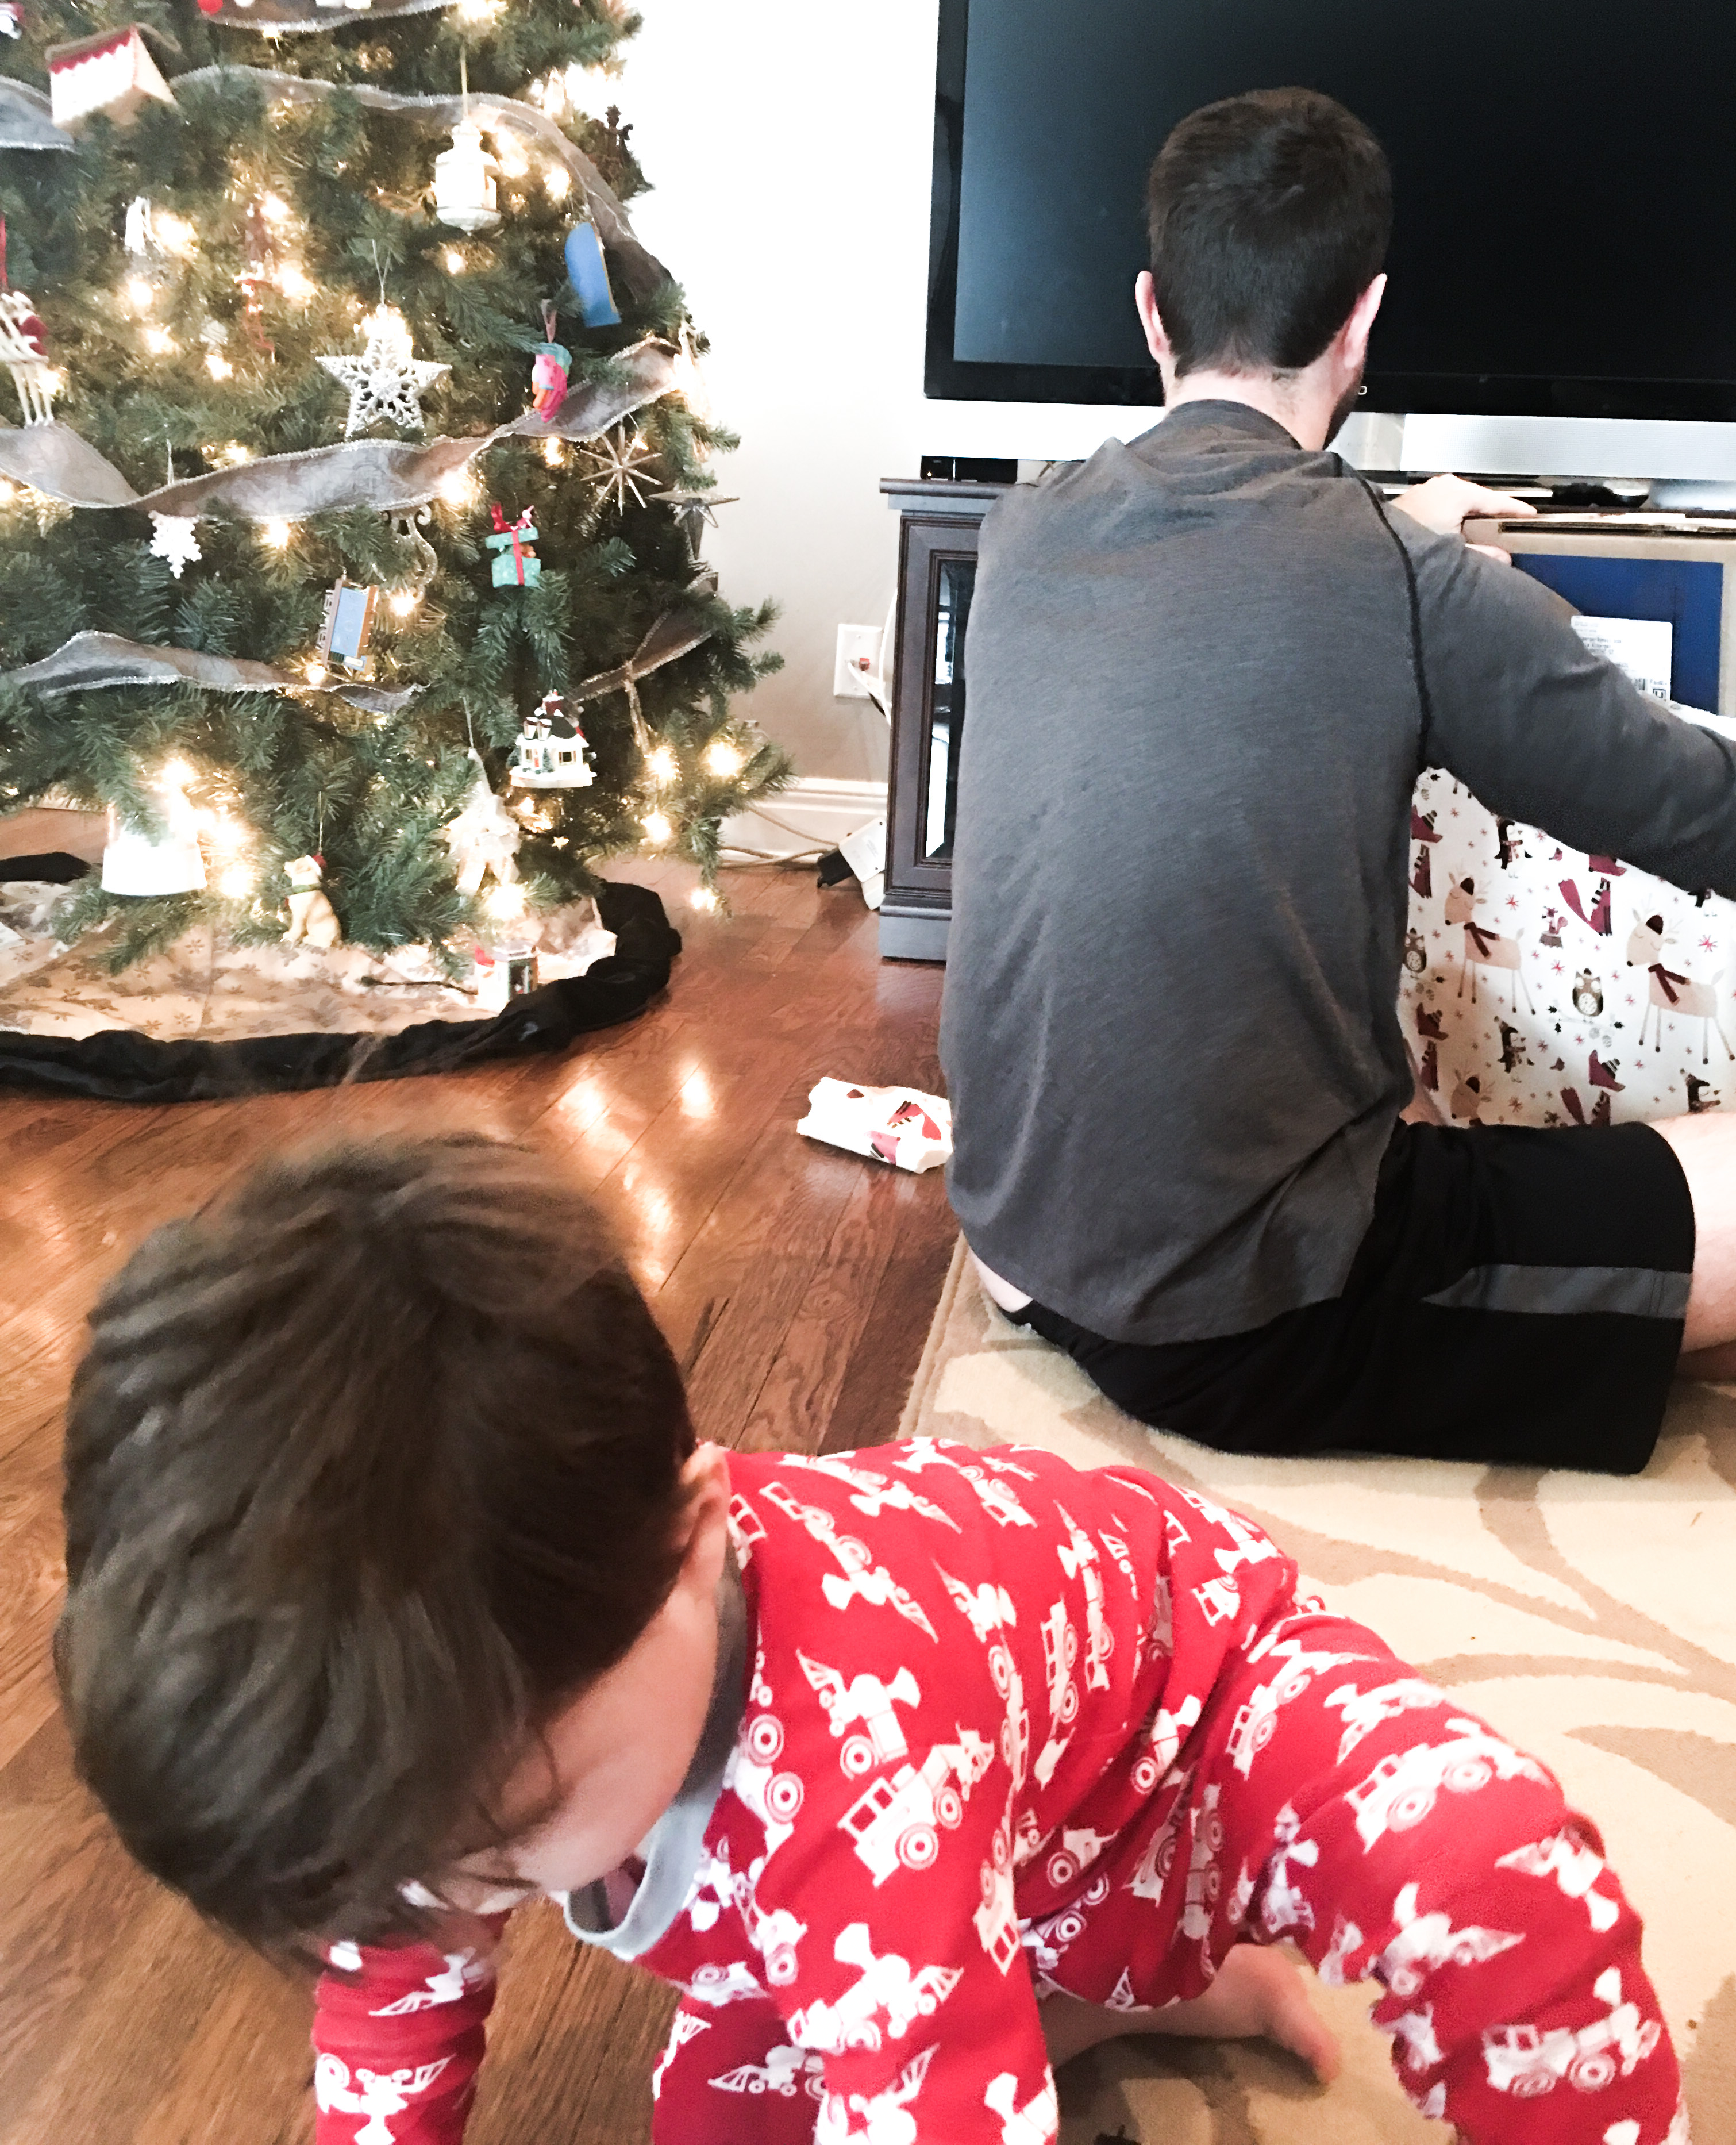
{"x": 1542, "y": 986}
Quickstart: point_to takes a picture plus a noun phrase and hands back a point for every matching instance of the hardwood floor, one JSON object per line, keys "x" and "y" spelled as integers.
{"x": 796, "y": 1284}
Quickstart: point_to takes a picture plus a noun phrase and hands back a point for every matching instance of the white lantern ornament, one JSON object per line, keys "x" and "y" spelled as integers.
{"x": 464, "y": 183}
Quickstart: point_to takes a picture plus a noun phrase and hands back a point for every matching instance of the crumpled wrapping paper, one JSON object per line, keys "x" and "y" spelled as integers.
{"x": 901, "y": 1125}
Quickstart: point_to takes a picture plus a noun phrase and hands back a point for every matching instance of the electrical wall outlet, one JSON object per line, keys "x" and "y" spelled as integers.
{"x": 857, "y": 661}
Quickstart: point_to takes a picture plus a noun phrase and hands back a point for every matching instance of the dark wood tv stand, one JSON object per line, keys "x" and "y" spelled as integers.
{"x": 938, "y": 525}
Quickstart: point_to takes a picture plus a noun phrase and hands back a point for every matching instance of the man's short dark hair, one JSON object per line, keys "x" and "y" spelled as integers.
{"x": 1270, "y": 215}
{"x": 370, "y": 1466}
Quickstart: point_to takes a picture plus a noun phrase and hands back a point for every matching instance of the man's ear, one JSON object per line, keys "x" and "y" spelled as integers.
{"x": 705, "y": 1478}
{"x": 1145, "y": 301}
{"x": 1353, "y": 336}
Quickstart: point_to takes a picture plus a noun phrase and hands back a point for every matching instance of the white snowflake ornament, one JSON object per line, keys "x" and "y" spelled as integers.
{"x": 385, "y": 380}
{"x": 173, "y": 538}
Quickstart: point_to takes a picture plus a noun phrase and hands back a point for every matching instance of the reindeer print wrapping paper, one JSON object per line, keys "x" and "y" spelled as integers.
{"x": 1542, "y": 986}
{"x": 1010, "y": 1726}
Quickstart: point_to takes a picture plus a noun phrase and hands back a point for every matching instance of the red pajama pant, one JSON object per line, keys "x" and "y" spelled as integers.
{"x": 1330, "y": 1798}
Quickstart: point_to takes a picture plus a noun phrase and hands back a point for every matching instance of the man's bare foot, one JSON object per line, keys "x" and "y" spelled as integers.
{"x": 1258, "y": 1994}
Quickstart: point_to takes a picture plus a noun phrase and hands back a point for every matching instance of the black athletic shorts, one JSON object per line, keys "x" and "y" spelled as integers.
{"x": 1520, "y": 1296}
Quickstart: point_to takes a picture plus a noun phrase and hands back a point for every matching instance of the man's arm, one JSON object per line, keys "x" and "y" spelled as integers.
{"x": 398, "y": 2034}
{"x": 1542, "y": 730}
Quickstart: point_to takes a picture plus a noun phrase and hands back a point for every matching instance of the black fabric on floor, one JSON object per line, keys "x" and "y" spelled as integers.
{"x": 123, "y": 1065}
{"x": 50, "y": 867}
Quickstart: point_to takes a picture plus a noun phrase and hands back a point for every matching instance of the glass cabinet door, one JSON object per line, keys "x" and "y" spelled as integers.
{"x": 956, "y": 581}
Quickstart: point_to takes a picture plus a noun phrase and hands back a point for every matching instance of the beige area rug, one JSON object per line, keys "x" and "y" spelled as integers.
{"x": 1593, "y": 1620}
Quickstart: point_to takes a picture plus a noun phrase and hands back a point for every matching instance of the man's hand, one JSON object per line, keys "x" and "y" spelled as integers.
{"x": 1445, "y": 503}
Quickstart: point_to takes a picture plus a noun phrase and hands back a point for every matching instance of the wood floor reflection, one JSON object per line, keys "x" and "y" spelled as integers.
{"x": 796, "y": 1285}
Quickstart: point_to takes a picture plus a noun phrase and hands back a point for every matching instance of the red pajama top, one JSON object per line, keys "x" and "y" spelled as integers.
{"x": 966, "y": 1674}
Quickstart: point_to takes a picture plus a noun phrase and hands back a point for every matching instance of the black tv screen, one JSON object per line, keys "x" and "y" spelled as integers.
{"x": 1565, "y": 170}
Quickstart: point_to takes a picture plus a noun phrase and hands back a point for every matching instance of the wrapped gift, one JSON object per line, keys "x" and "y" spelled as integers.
{"x": 900, "y": 1126}
{"x": 1544, "y": 986}
{"x": 515, "y": 565}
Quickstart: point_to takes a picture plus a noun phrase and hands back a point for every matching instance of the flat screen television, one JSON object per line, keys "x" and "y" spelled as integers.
{"x": 1564, "y": 173}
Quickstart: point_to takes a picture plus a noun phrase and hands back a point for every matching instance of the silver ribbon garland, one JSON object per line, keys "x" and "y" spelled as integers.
{"x": 390, "y": 475}
{"x": 25, "y": 123}
{"x": 639, "y": 272}
{"x": 674, "y": 632}
{"x": 91, "y": 660}
{"x": 273, "y": 15}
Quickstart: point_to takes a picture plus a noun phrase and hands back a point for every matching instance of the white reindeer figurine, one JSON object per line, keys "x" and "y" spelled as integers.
{"x": 1485, "y": 949}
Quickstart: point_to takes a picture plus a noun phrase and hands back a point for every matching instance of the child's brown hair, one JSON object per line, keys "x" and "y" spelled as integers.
{"x": 370, "y": 1465}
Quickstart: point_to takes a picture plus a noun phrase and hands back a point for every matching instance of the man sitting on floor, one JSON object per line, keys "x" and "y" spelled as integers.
{"x": 1206, "y": 669}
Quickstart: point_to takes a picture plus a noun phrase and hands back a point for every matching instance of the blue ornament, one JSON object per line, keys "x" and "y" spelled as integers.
{"x": 589, "y": 274}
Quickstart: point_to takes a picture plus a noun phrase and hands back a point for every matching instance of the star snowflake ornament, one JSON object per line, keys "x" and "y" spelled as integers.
{"x": 173, "y": 538}
{"x": 620, "y": 459}
{"x": 385, "y": 380}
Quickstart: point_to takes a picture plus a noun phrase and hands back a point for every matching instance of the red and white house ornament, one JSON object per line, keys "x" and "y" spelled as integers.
{"x": 549, "y": 752}
{"x": 112, "y": 73}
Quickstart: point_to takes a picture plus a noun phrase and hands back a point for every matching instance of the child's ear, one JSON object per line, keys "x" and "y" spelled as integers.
{"x": 705, "y": 1478}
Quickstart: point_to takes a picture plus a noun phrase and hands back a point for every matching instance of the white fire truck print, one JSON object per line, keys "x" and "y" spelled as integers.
{"x": 1151, "y": 1880}
{"x": 686, "y": 2028}
{"x": 1426, "y": 1942}
{"x": 989, "y": 1608}
{"x": 862, "y": 1579}
{"x": 1078, "y": 1851}
{"x": 1035, "y": 2124}
{"x": 1079, "y": 1560}
{"x": 371, "y": 2093}
{"x": 996, "y": 1919}
{"x": 1335, "y": 1967}
{"x": 1401, "y": 1790}
{"x": 1365, "y": 1710}
{"x": 879, "y": 2118}
{"x": 1258, "y": 1721}
{"x": 785, "y": 2072}
{"x": 463, "y": 1970}
{"x": 1163, "y": 1738}
{"x": 874, "y": 1494}
{"x": 746, "y": 1527}
{"x": 1060, "y": 1651}
{"x": 896, "y": 1823}
{"x": 753, "y": 1774}
{"x": 1575, "y": 1869}
{"x": 1220, "y": 1597}
{"x": 719, "y": 1985}
{"x": 1204, "y": 1879}
{"x": 1286, "y": 1906}
{"x": 883, "y": 2003}
{"x": 866, "y": 1700}
{"x": 1527, "y": 2062}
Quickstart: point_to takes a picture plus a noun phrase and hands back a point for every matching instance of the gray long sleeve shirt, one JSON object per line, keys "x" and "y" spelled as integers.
{"x": 1198, "y": 708}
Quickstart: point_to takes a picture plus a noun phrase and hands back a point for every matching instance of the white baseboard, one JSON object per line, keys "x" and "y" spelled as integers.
{"x": 815, "y": 812}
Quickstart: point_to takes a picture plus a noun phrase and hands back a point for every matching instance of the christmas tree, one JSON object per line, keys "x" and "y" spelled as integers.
{"x": 350, "y": 534}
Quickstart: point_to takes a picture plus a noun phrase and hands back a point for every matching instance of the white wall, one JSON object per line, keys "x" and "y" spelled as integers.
{"x": 790, "y": 144}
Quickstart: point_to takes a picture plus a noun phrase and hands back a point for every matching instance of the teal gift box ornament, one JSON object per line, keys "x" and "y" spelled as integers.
{"x": 515, "y": 565}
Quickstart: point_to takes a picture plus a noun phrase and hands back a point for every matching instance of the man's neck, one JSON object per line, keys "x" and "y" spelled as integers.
{"x": 1285, "y": 400}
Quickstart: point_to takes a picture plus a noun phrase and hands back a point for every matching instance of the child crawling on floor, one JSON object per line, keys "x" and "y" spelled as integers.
{"x": 400, "y": 1593}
